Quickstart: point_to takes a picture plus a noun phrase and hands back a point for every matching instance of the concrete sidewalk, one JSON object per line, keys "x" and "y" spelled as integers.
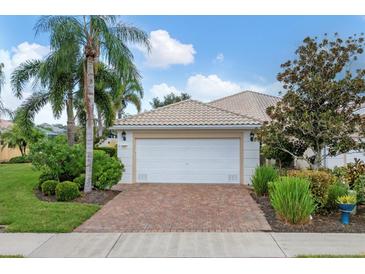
{"x": 186, "y": 244}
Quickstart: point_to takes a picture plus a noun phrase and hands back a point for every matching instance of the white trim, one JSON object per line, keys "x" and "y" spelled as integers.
{"x": 121, "y": 127}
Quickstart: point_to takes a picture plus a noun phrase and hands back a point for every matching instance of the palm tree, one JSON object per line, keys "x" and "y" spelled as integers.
{"x": 56, "y": 82}
{"x": 100, "y": 37}
{"x": 3, "y": 109}
{"x": 16, "y": 136}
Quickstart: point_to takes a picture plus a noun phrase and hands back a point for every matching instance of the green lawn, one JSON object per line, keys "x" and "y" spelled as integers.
{"x": 332, "y": 256}
{"x": 22, "y": 211}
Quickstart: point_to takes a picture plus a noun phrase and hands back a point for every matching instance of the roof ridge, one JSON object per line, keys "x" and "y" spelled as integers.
{"x": 156, "y": 109}
{"x": 228, "y": 111}
{"x": 244, "y": 91}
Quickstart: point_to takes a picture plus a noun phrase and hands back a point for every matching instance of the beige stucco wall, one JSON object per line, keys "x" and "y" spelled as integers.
{"x": 7, "y": 153}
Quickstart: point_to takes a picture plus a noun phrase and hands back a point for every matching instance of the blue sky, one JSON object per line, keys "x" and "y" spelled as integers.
{"x": 206, "y": 56}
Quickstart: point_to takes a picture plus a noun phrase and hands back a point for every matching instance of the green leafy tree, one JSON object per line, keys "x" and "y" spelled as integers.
{"x": 3, "y": 109}
{"x": 321, "y": 94}
{"x": 17, "y": 137}
{"x": 169, "y": 99}
{"x": 99, "y": 38}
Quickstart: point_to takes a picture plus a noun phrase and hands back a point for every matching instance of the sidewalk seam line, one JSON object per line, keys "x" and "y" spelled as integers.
{"x": 42, "y": 244}
{"x": 106, "y": 256}
{"x": 272, "y": 236}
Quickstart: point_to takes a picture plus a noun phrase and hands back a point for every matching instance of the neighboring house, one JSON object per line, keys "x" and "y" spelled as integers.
{"x": 250, "y": 103}
{"x": 7, "y": 153}
{"x": 52, "y": 130}
{"x": 349, "y": 157}
{"x": 188, "y": 142}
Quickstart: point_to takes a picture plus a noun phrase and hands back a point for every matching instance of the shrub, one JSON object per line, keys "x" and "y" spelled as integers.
{"x": 107, "y": 170}
{"x": 80, "y": 181}
{"x": 19, "y": 160}
{"x": 67, "y": 191}
{"x": 336, "y": 190}
{"x": 45, "y": 177}
{"x": 320, "y": 182}
{"x": 263, "y": 175}
{"x": 292, "y": 200}
{"x": 359, "y": 187}
{"x": 111, "y": 151}
{"x": 49, "y": 187}
{"x": 353, "y": 171}
{"x": 57, "y": 157}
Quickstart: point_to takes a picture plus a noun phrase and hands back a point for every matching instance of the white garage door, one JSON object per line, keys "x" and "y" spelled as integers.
{"x": 188, "y": 161}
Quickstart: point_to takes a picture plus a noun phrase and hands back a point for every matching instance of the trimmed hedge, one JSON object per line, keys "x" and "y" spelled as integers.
{"x": 49, "y": 187}
{"x": 112, "y": 151}
{"x": 80, "y": 181}
{"x": 67, "y": 191}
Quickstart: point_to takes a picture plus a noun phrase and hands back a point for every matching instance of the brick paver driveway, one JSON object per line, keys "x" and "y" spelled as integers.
{"x": 177, "y": 208}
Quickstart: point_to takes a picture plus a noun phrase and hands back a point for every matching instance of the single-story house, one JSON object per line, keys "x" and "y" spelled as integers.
{"x": 194, "y": 142}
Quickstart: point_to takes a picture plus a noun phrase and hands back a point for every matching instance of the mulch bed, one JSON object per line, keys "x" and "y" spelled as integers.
{"x": 319, "y": 223}
{"x": 100, "y": 197}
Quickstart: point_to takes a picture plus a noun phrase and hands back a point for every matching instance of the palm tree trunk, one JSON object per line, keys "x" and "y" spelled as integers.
{"x": 89, "y": 103}
{"x": 70, "y": 119}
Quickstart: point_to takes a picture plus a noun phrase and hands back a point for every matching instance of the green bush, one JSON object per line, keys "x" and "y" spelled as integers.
{"x": 263, "y": 175}
{"x": 57, "y": 157}
{"x": 19, "y": 160}
{"x": 67, "y": 191}
{"x": 107, "y": 170}
{"x": 49, "y": 187}
{"x": 336, "y": 190}
{"x": 354, "y": 171}
{"x": 112, "y": 151}
{"x": 45, "y": 177}
{"x": 359, "y": 187}
{"x": 292, "y": 199}
{"x": 80, "y": 181}
{"x": 320, "y": 182}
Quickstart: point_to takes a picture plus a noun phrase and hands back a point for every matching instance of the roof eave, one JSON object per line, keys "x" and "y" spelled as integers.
{"x": 167, "y": 127}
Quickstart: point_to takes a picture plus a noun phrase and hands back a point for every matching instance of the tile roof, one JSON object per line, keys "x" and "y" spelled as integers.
{"x": 187, "y": 113}
{"x": 250, "y": 103}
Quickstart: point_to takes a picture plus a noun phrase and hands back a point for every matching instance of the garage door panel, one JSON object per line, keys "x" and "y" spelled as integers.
{"x": 188, "y": 160}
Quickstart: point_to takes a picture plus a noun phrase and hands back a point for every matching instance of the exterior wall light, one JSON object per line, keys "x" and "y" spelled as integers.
{"x": 124, "y": 136}
{"x": 252, "y": 136}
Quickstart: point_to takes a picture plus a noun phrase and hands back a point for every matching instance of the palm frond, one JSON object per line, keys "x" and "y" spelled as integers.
{"x": 25, "y": 114}
{"x": 23, "y": 73}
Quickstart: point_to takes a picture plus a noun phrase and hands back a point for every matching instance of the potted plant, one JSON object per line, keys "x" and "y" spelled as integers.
{"x": 347, "y": 204}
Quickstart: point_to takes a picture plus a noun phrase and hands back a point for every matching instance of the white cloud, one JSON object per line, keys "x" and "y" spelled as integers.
{"x": 208, "y": 87}
{"x": 13, "y": 58}
{"x": 167, "y": 51}
{"x": 162, "y": 90}
{"x": 219, "y": 58}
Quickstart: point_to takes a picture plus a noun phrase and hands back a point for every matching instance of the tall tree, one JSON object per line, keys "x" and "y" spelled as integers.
{"x": 3, "y": 109}
{"x": 322, "y": 93}
{"x": 169, "y": 99}
{"x": 18, "y": 137}
{"x": 99, "y": 37}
